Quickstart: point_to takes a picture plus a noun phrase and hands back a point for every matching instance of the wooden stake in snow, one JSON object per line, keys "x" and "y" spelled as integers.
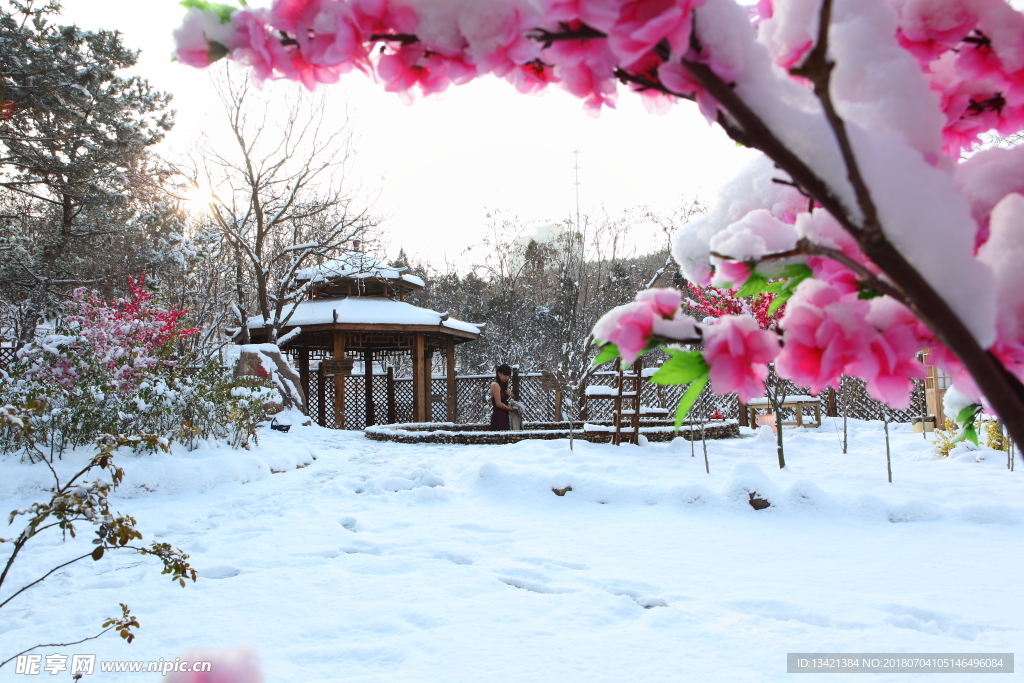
{"x": 704, "y": 443}
{"x": 842, "y": 393}
{"x": 888, "y": 460}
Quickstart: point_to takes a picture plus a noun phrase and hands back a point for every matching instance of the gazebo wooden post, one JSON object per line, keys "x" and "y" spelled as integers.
{"x": 304, "y": 373}
{"x": 321, "y": 397}
{"x": 339, "y": 382}
{"x": 419, "y": 399}
{"x": 368, "y": 384}
{"x": 428, "y": 383}
{"x": 449, "y": 366}
{"x": 392, "y": 413}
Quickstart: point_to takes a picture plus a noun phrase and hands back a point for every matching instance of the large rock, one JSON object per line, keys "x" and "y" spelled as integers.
{"x": 267, "y": 361}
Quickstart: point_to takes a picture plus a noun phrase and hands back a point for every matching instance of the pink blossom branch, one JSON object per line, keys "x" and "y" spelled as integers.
{"x": 548, "y": 38}
{"x": 805, "y": 247}
{"x": 742, "y": 124}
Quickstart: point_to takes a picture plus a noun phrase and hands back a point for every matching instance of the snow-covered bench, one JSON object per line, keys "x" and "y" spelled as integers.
{"x": 796, "y": 402}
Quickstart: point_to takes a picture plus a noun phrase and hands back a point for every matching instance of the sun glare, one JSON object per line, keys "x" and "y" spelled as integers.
{"x": 198, "y": 199}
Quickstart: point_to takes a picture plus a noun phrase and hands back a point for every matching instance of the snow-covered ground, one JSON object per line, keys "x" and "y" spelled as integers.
{"x": 391, "y": 562}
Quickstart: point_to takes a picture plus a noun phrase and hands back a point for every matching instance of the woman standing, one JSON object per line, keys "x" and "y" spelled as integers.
{"x": 499, "y": 399}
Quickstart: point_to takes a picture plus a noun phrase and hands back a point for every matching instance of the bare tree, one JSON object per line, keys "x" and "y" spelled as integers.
{"x": 279, "y": 197}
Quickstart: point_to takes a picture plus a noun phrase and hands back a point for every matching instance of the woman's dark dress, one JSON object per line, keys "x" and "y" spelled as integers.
{"x": 499, "y": 417}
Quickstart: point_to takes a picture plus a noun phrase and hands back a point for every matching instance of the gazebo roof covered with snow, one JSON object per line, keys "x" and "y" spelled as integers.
{"x": 356, "y": 310}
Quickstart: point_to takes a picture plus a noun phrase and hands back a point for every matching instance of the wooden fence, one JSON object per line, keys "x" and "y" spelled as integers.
{"x": 473, "y": 401}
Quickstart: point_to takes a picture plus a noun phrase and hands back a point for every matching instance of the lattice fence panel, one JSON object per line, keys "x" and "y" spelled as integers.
{"x": 403, "y": 400}
{"x": 474, "y": 404}
{"x": 355, "y": 402}
{"x": 708, "y": 402}
{"x": 861, "y": 406}
{"x": 539, "y": 403}
{"x": 7, "y": 356}
{"x": 380, "y": 398}
{"x": 313, "y": 400}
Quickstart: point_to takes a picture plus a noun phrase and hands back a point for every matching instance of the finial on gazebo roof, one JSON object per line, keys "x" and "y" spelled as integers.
{"x": 357, "y": 274}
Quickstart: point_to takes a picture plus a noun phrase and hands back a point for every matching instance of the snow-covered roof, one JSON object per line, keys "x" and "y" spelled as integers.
{"x": 356, "y": 265}
{"x": 368, "y": 310}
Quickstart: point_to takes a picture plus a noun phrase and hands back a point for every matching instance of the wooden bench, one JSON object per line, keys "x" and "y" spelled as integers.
{"x": 796, "y": 402}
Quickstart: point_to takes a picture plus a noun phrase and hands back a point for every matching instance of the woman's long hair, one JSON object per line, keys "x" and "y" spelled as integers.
{"x": 504, "y": 369}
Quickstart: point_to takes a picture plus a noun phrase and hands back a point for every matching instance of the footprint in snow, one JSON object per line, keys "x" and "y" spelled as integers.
{"x": 454, "y": 558}
{"x": 533, "y": 586}
{"x": 540, "y": 561}
{"x": 224, "y": 571}
{"x": 935, "y": 623}
{"x": 483, "y": 529}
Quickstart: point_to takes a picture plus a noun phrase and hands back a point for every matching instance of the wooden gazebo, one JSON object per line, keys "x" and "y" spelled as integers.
{"x": 356, "y": 310}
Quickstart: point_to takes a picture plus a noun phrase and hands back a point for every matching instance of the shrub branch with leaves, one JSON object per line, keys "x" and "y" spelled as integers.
{"x": 78, "y": 501}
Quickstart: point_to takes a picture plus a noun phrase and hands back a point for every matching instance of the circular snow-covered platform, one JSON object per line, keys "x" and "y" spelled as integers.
{"x": 449, "y": 432}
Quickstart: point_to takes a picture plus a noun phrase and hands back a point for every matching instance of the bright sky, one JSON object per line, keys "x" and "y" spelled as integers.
{"x": 440, "y": 165}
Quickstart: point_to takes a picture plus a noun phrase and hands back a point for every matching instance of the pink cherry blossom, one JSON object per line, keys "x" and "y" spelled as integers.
{"x": 293, "y": 15}
{"x": 738, "y": 352}
{"x": 760, "y": 11}
{"x": 226, "y": 666}
{"x": 891, "y": 360}
{"x": 628, "y": 327}
{"x": 597, "y": 14}
{"x": 834, "y": 273}
{"x": 928, "y": 28}
{"x": 414, "y": 65}
{"x": 731, "y": 274}
{"x": 254, "y": 46}
{"x": 513, "y": 51}
{"x": 585, "y": 68}
{"x": 642, "y": 24}
{"x": 675, "y": 77}
{"x": 194, "y": 39}
{"x": 824, "y": 330}
{"x": 663, "y": 302}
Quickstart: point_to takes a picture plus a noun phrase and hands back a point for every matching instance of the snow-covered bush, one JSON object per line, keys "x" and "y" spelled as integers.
{"x": 111, "y": 367}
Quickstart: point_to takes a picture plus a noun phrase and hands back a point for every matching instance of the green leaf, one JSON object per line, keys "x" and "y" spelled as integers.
{"x": 776, "y": 287}
{"x": 609, "y": 352}
{"x": 682, "y": 368}
{"x": 971, "y": 434}
{"x": 967, "y": 414}
{"x": 778, "y": 301}
{"x": 797, "y": 271}
{"x": 865, "y": 292}
{"x": 754, "y": 285}
{"x": 224, "y": 12}
{"x": 688, "y": 399}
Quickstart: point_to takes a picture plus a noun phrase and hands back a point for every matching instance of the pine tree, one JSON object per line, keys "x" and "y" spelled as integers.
{"x": 78, "y": 189}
